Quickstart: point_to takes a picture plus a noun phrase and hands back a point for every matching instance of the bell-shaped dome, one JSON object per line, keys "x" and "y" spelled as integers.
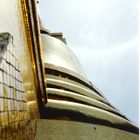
{"x": 58, "y": 53}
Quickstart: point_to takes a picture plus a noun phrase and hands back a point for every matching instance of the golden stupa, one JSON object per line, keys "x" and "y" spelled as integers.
{"x": 44, "y": 94}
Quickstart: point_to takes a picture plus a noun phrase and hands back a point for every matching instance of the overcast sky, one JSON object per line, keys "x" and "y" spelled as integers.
{"x": 103, "y": 34}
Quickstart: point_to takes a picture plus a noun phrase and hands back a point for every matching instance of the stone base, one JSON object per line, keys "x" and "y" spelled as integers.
{"x": 70, "y": 130}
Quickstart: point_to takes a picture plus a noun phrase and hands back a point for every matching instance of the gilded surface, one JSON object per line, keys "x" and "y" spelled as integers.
{"x": 26, "y": 59}
{"x": 14, "y": 112}
{"x": 18, "y": 103}
{"x": 57, "y": 53}
{"x": 22, "y": 88}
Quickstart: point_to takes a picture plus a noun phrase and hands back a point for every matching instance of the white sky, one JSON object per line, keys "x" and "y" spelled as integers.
{"x": 103, "y": 34}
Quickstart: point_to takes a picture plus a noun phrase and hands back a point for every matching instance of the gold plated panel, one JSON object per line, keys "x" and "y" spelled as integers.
{"x": 20, "y": 71}
{"x": 14, "y": 112}
{"x": 32, "y": 36}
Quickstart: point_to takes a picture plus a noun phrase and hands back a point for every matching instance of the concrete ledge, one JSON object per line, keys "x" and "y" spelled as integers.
{"x": 70, "y": 130}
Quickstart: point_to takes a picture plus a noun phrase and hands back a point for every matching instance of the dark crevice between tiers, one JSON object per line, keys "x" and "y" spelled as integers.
{"x": 63, "y": 88}
{"x": 63, "y": 114}
{"x": 44, "y": 32}
{"x": 68, "y": 76}
{"x": 62, "y": 98}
